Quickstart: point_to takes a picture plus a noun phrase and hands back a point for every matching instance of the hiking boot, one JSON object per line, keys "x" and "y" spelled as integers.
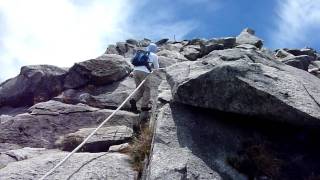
{"x": 133, "y": 104}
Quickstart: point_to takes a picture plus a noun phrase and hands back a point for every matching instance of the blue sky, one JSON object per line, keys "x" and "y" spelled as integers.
{"x": 62, "y": 32}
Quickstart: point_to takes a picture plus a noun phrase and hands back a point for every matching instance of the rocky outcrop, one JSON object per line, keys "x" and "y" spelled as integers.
{"x": 223, "y": 108}
{"x": 172, "y": 55}
{"x": 191, "y": 52}
{"x": 250, "y": 83}
{"x": 247, "y": 36}
{"x": 33, "y": 84}
{"x": 80, "y": 166}
{"x": 108, "y": 96}
{"x": 300, "y": 62}
{"x": 99, "y": 142}
{"x": 45, "y": 122}
{"x": 105, "y": 69}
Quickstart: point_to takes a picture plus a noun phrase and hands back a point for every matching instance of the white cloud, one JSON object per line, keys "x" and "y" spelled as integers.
{"x": 62, "y": 32}
{"x": 298, "y": 23}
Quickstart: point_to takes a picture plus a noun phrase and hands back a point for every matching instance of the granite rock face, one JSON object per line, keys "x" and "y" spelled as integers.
{"x": 79, "y": 166}
{"x": 33, "y": 84}
{"x": 222, "y": 108}
{"x": 103, "y": 70}
{"x": 247, "y": 36}
{"x": 45, "y": 122}
{"x": 99, "y": 142}
{"x": 247, "y": 82}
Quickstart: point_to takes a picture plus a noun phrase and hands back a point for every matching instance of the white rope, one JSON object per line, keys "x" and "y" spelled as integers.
{"x": 80, "y": 145}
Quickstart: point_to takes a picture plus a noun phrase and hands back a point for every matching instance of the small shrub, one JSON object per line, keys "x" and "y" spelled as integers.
{"x": 140, "y": 148}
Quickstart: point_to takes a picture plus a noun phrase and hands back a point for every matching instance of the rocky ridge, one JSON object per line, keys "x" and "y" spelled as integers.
{"x": 223, "y": 108}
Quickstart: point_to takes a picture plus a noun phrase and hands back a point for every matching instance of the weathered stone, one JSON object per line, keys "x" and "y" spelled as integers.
{"x": 191, "y": 52}
{"x": 172, "y": 55}
{"x": 180, "y": 151}
{"x": 7, "y": 146}
{"x": 162, "y": 42}
{"x": 304, "y": 51}
{"x": 132, "y": 41}
{"x": 47, "y": 121}
{"x": 196, "y": 41}
{"x": 247, "y": 46}
{"x": 227, "y": 42}
{"x": 165, "y": 61}
{"x": 281, "y": 53}
{"x": 119, "y": 148}
{"x": 301, "y": 62}
{"x": 105, "y": 69}
{"x": 79, "y": 166}
{"x": 21, "y": 154}
{"x": 111, "y": 50}
{"x": 172, "y": 47}
{"x": 33, "y": 84}
{"x": 209, "y": 47}
{"x": 108, "y": 96}
{"x": 247, "y": 82}
{"x": 164, "y": 92}
{"x": 247, "y": 36}
{"x": 99, "y": 142}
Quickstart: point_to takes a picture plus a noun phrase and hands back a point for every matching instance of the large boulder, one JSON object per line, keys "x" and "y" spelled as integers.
{"x": 305, "y": 51}
{"x": 248, "y": 82}
{"x": 247, "y": 36}
{"x": 282, "y": 53}
{"x": 99, "y": 142}
{"x": 177, "y": 46}
{"x": 172, "y": 55}
{"x": 165, "y": 61}
{"x": 103, "y": 70}
{"x": 33, "y": 84}
{"x": 162, "y": 42}
{"x": 108, "y": 96}
{"x": 79, "y": 166}
{"x": 191, "y": 52}
{"x": 301, "y": 62}
{"x": 46, "y": 122}
{"x": 112, "y": 49}
{"x": 217, "y": 44}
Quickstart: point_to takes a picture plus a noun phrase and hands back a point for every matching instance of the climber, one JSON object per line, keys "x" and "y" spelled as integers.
{"x": 143, "y": 62}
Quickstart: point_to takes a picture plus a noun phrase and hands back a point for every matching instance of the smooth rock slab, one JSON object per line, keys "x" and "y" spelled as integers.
{"x": 21, "y": 154}
{"x": 81, "y": 166}
{"x": 47, "y": 121}
{"x": 99, "y": 142}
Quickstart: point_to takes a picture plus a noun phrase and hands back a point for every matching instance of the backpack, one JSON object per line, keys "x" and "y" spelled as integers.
{"x": 141, "y": 58}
